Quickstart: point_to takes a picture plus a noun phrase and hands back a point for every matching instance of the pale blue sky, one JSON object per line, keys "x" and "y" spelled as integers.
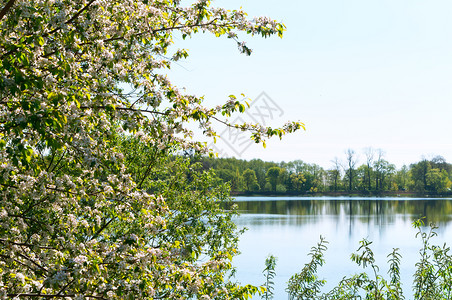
{"x": 357, "y": 73}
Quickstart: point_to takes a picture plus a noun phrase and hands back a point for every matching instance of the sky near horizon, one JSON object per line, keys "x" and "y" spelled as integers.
{"x": 358, "y": 73}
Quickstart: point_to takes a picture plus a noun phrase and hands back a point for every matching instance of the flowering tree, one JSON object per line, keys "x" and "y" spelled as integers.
{"x": 94, "y": 204}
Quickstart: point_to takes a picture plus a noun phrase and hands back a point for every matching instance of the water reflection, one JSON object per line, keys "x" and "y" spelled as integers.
{"x": 299, "y": 211}
{"x": 289, "y": 227}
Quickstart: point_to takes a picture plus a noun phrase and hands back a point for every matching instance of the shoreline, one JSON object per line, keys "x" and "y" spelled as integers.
{"x": 401, "y": 194}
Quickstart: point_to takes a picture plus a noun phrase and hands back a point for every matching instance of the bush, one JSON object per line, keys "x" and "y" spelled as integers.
{"x": 431, "y": 280}
{"x": 281, "y": 188}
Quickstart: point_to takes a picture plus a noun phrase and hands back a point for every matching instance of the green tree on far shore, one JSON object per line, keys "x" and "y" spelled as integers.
{"x": 250, "y": 180}
{"x": 273, "y": 177}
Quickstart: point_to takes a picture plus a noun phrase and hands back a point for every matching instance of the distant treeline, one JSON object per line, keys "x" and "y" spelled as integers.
{"x": 376, "y": 176}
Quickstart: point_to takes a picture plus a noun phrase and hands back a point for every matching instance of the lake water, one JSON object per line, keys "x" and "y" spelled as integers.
{"x": 287, "y": 227}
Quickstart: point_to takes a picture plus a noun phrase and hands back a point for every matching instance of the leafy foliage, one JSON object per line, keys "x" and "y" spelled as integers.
{"x": 269, "y": 273}
{"x": 306, "y": 285}
{"x": 432, "y": 279}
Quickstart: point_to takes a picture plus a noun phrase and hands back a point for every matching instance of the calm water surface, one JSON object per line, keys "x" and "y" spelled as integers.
{"x": 288, "y": 227}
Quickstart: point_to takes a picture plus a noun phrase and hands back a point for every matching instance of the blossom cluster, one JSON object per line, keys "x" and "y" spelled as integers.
{"x": 89, "y": 125}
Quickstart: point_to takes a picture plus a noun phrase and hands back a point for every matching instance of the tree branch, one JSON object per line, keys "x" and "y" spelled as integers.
{"x": 65, "y": 287}
{"x": 73, "y": 17}
{"x": 53, "y": 296}
{"x": 6, "y": 8}
{"x": 17, "y": 261}
{"x": 26, "y": 245}
{"x": 79, "y": 12}
{"x": 101, "y": 229}
{"x": 32, "y": 261}
{"x": 58, "y": 162}
{"x": 126, "y": 109}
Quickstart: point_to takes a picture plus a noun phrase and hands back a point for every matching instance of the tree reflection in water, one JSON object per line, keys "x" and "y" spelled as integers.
{"x": 380, "y": 210}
